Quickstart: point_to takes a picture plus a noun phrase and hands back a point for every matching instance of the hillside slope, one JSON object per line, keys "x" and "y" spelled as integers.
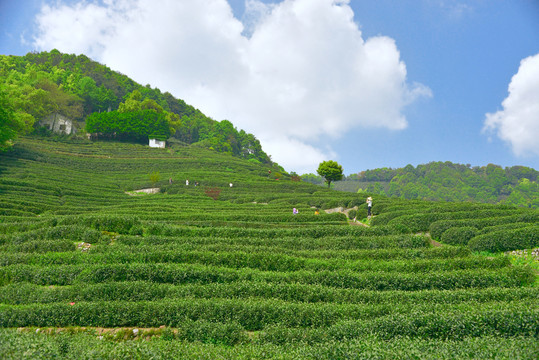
{"x": 446, "y": 181}
{"x": 45, "y": 85}
{"x": 214, "y": 271}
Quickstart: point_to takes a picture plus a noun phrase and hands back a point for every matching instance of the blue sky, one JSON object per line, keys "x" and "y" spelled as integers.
{"x": 367, "y": 83}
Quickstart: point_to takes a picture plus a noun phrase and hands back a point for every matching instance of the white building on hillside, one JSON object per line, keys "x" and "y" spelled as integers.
{"x": 154, "y": 143}
{"x": 57, "y": 123}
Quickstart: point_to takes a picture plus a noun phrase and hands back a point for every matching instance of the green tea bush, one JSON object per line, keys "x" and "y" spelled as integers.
{"x": 62, "y": 232}
{"x": 75, "y": 232}
{"x": 418, "y": 222}
{"x": 270, "y": 262}
{"x": 86, "y": 345}
{"x": 210, "y": 332}
{"x": 133, "y": 291}
{"x": 42, "y": 246}
{"x": 111, "y": 223}
{"x": 459, "y": 235}
{"x": 164, "y": 250}
{"x": 478, "y": 218}
{"x": 256, "y": 314}
{"x": 447, "y": 325}
{"x": 241, "y": 276}
{"x": 439, "y": 227}
{"x": 342, "y": 278}
{"x": 489, "y": 229}
{"x": 355, "y": 202}
{"x": 384, "y": 218}
{"x": 42, "y": 275}
{"x": 8, "y": 227}
{"x": 493, "y": 321}
{"x": 506, "y": 240}
{"x": 272, "y": 233}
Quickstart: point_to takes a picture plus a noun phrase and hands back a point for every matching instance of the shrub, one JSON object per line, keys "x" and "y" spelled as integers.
{"x": 437, "y": 228}
{"x": 418, "y": 222}
{"x": 458, "y": 235}
{"x": 514, "y": 321}
{"x": 384, "y": 218}
{"x": 42, "y": 246}
{"x": 506, "y": 240}
{"x": 355, "y": 202}
{"x": 229, "y": 333}
{"x": 112, "y": 223}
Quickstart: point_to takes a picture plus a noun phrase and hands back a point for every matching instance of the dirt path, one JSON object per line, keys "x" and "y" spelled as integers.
{"x": 357, "y": 223}
{"x": 143, "y": 191}
{"x": 435, "y": 243}
{"x": 345, "y": 211}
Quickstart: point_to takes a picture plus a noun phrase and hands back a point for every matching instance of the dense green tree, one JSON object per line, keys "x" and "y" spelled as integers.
{"x": 95, "y": 98}
{"x": 330, "y": 170}
{"x": 54, "y": 100}
{"x": 9, "y": 127}
{"x": 133, "y": 125}
{"x": 382, "y": 174}
{"x": 136, "y": 103}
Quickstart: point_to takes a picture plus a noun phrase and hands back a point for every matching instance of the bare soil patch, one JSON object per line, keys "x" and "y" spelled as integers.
{"x": 143, "y": 191}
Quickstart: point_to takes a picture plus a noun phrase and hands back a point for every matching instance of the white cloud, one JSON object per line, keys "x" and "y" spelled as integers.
{"x": 81, "y": 28}
{"x": 300, "y": 157}
{"x": 518, "y": 122}
{"x": 298, "y": 75}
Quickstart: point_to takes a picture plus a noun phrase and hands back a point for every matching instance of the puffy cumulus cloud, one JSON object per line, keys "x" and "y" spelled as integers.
{"x": 518, "y": 122}
{"x": 300, "y": 157}
{"x": 298, "y": 74}
{"x": 79, "y": 28}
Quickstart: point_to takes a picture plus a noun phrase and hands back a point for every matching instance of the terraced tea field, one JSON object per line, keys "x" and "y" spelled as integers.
{"x": 88, "y": 271}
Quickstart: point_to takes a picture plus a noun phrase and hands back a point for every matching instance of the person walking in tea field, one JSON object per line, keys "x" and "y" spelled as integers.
{"x": 369, "y": 207}
{"x": 295, "y": 211}
{"x": 187, "y": 182}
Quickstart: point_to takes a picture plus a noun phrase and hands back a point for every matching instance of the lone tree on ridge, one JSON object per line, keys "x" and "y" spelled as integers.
{"x": 330, "y": 170}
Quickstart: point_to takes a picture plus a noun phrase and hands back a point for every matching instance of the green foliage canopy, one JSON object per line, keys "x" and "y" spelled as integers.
{"x": 330, "y": 170}
{"x": 516, "y": 185}
{"x": 134, "y": 125}
{"x": 40, "y": 84}
{"x": 11, "y": 122}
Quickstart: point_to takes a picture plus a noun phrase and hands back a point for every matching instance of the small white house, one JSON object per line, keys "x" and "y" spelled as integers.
{"x": 57, "y": 123}
{"x": 154, "y": 143}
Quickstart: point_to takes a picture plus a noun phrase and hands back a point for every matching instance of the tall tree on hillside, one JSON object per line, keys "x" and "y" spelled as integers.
{"x": 54, "y": 100}
{"x": 330, "y": 170}
{"x": 136, "y": 103}
{"x": 11, "y": 124}
{"x": 95, "y": 98}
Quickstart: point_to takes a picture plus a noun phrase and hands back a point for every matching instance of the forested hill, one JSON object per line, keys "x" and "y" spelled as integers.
{"x": 38, "y": 85}
{"x": 446, "y": 181}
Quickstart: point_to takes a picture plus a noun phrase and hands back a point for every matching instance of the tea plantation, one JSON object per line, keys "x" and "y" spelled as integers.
{"x": 89, "y": 269}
